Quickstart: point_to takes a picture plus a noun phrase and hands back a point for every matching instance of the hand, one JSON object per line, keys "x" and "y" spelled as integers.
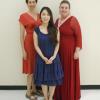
{"x": 76, "y": 55}
{"x": 51, "y": 59}
{"x": 24, "y": 55}
{"x": 45, "y": 59}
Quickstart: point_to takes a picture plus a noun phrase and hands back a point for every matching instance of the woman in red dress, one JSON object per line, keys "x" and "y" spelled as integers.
{"x": 28, "y": 21}
{"x": 70, "y": 45}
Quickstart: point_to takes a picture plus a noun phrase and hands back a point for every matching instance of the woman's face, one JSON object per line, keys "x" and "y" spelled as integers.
{"x": 64, "y": 10}
{"x": 45, "y": 17}
{"x": 31, "y": 4}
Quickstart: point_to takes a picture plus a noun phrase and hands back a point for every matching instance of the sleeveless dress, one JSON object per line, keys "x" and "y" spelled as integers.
{"x": 29, "y": 24}
{"x": 47, "y": 74}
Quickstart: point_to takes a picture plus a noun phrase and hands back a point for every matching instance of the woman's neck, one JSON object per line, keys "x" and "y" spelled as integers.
{"x": 32, "y": 11}
{"x": 45, "y": 25}
{"x": 65, "y": 17}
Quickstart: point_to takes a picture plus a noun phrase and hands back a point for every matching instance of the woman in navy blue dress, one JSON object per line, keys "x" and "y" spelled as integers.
{"x": 48, "y": 72}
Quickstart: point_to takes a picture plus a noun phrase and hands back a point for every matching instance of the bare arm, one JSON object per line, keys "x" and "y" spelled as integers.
{"x": 35, "y": 38}
{"x": 56, "y": 49}
{"x": 22, "y": 33}
{"x": 57, "y": 46}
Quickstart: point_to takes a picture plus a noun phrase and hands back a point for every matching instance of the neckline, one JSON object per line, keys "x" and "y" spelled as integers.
{"x": 65, "y": 20}
{"x": 42, "y": 32}
{"x": 32, "y": 16}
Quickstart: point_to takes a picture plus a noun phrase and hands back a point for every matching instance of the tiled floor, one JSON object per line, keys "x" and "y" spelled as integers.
{"x": 20, "y": 95}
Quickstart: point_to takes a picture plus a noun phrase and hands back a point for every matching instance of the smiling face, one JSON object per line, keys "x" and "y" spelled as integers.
{"x": 64, "y": 10}
{"x": 31, "y": 4}
{"x": 45, "y": 16}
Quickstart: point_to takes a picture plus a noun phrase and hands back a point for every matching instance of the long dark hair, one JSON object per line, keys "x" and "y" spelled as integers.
{"x": 52, "y": 30}
{"x": 27, "y": 1}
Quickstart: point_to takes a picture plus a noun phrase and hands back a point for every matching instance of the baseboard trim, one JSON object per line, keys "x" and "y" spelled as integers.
{"x": 83, "y": 87}
{"x": 12, "y": 87}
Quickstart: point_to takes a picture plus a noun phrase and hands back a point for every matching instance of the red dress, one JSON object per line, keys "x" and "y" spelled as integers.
{"x": 29, "y": 24}
{"x": 70, "y": 38}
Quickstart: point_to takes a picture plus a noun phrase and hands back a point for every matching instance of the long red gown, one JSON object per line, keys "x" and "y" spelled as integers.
{"x": 29, "y": 24}
{"x": 70, "y": 38}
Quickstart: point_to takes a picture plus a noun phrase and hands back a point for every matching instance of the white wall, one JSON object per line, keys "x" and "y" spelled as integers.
{"x": 87, "y": 12}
